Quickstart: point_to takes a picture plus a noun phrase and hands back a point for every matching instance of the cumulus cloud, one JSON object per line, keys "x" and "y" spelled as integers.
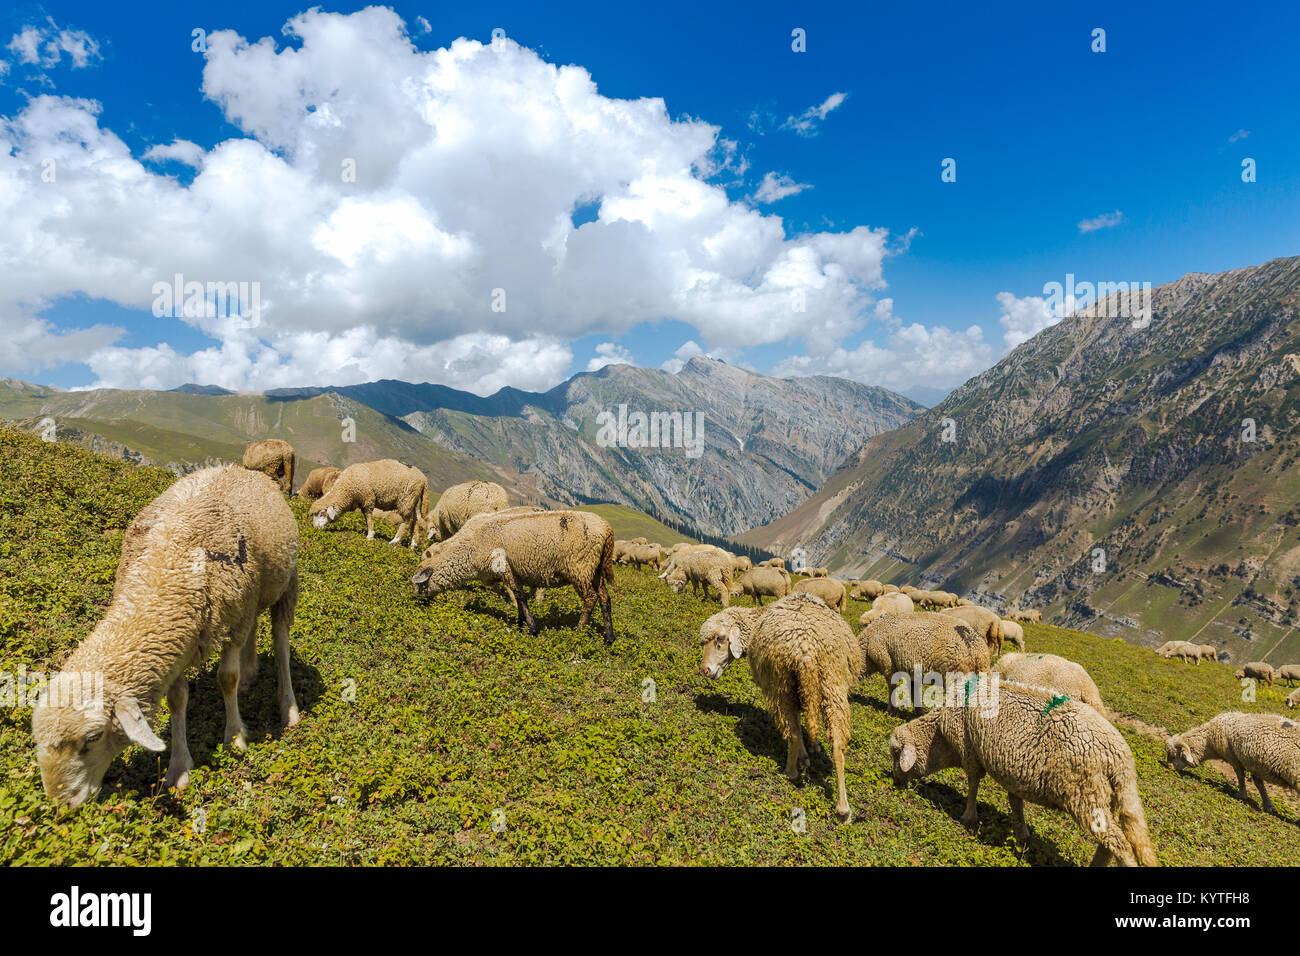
{"x": 914, "y": 357}
{"x": 607, "y": 353}
{"x": 1022, "y": 319}
{"x": 47, "y": 45}
{"x": 807, "y": 122}
{"x": 778, "y": 186}
{"x": 409, "y": 214}
{"x": 1108, "y": 220}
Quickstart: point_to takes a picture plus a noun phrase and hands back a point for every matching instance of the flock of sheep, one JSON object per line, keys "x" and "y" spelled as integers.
{"x": 202, "y": 561}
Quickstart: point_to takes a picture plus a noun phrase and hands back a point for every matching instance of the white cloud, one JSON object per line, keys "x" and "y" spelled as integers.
{"x": 424, "y": 25}
{"x": 47, "y": 45}
{"x": 913, "y": 357}
{"x": 469, "y": 161}
{"x": 607, "y": 353}
{"x": 1022, "y": 319}
{"x": 1108, "y": 220}
{"x": 180, "y": 150}
{"x": 778, "y": 186}
{"x": 1240, "y": 134}
{"x": 806, "y": 123}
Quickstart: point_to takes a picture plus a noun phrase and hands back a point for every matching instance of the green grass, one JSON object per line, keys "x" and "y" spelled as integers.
{"x": 631, "y": 523}
{"x": 422, "y": 719}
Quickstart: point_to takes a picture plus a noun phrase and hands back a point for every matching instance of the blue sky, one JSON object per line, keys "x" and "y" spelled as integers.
{"x": 1046, "y": 135}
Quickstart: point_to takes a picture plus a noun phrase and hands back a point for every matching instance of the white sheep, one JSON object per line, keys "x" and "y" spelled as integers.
{"x": 804, "y": 659}
{"x": 198, "y": 566}
{"x": 1042, "y": 748}
{"x": 761, "y": 582}
{"x": 1288, "y": 672}
{"x": 1052, "y": 672}
{"x": 273, "y": 457}
{"x": 1259, "y": 670}
{"x": 1013, "y": 633}
{"x": 702, "y": 569}
{"x": 383, "y": 484}
{"x": 828, "y": 589}
{"x": 461, "y": 502}
{"x": 890, "y": 603}
{"x": 1265, "y": 746}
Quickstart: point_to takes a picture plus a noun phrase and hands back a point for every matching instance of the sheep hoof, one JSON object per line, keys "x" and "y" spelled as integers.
{"x": 845, "y": 816}
{"x": 370, "y": 536}
{"x": 290, "y": 716}
{"x": 1022, "y": 834}
{"x": 237, "y": 740}
{"x": 396, "y": 541}
{"x": 970, "y": 821}
{"x": 178, "y": 776}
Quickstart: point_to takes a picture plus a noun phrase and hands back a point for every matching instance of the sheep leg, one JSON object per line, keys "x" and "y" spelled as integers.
{"x": 1018, "y": 815}
{"x": 970, "y": 819}
{"x": 842, "y": 809}
{"x": 522, "y": 607}
{"x": 401, "y": 533}
{"x": 236, "y": 734}
{"x": 602, "y": 591}
{"x": 1263, "y": 793}
{"x": 281, "y": 622}
{"x": 248, "y": 661}
{"x": 588, "y": 604}
{"x": 1113, "y": 844}
{"x": 178, "y": 768}
{"x": 1241, "y": 783}
{"x": 370, "y": 524}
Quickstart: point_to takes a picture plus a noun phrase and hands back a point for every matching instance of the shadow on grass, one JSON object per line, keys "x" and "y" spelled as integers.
{"x": 259, "y": 709}
{"x": 995, "y": 826}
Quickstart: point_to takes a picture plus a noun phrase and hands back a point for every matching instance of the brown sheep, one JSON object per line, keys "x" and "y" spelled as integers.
{"x": 384, "y": 484}
{"x": 901, "y": 646}
{"x": 319, "y": 482}
{"x": 828, "y": 589}
{"x": 761, "y": 582}
{"x": 986, "y": 623}
{"x": 1258, "y": 670}
{"x": 273, "y": 457}
{"x": 461, "y": 502}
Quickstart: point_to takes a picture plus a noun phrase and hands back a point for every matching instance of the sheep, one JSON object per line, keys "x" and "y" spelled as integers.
{"x": 1288, "y": 672}
{"x": 740, "y": 564}
{"x": 198, "y": 566}
{"x": 1266, "y": 746}
{"x": 703, "y": 568}
{"x": 773, "y": 563}
{"x": 639, "y": 541}
{"x": 528, "y": 550}
{"x": 761, "y": 582}
{"x": 819, "y": 572}
{"x": 1043, "y": 748}
{"x": 986, "y": 623}
{"x": 1054, "y": 673}
{"x": 461, "y": 502}
{"x": 907, "y": 589}
{"x": 867, "y": 590}
{"x": 676, "y": 558}
{"x": 1256, "y": 669}
{"x": 828, "y": 589}
{"x": 640, "y": 554}
{"x": 1182, "y": 649}
{"x": 1208, "y": 652}
{"x": 893, "y": 603}
{"x": 1293, "y": 699}
{"x": 962, "y": 602}
{"x": 376, "y": 484}
{"x": 804, "y": 658}
{"x": 273, "y": 457}
{"x": 920, "y": 644}
{"x": 1014, "y": 633}
{"x": 934, "y": 599}
{"x": 319, "y": 482}
{"x": 889, "y": 589}
{"x": 1026, "y": 614}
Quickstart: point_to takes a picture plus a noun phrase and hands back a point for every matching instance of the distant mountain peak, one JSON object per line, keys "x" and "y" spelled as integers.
{"x": 189, "y": 388}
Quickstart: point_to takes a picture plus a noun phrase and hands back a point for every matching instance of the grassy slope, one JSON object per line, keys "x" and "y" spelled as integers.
{"x": 631, "y": 523}
{"x": 457, "y": 714}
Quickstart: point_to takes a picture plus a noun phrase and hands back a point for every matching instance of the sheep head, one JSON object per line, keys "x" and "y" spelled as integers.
{"x": 919, "y": 749}
{"x": 79, "y": 733}
{"x": 1179, "y": 754}
{"x": 721, "y": 642}
{"x": 323, "y": 516}
{"x": 677, "y": 580}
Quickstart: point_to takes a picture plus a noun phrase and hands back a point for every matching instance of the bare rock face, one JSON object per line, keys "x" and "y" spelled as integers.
{"x": 1103, "y": 469}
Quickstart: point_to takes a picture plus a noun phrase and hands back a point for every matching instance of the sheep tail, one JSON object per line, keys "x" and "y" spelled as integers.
{"x": 808, "y": 686}
{"x": 605, "y": 570}
{"x": 1132, "y": 821}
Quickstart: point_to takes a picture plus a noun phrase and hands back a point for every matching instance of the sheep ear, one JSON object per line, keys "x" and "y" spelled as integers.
{"x": 497, "y": 561}
{"x": 734, "y": 642}
{"x": 907, "y": 759}
{"x": 128, "y": 714}
{"x": 421, "y": 575}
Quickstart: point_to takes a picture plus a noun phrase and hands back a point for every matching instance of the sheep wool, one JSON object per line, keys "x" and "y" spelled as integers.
{"x": 385, "y": 484}
{"x": 1288, "y": 672}
{"x": 804, "y": 659}
{"x": 1054, "y": 673}
{"x": 521, "y": 551}
{"x": 1265, "y": 746}
{"x": 273, "y": 457}
{"x": 986, "y": 623}
{"x": 1258, "y": 670}
{"x": 893, "y": 602}
{"x": 199, "y": 564}
{"x": 702, "y": 569}
{"x": 319, "y": 481}
{"x": 461, "y": 502}
{"x": 1013, "y": 633}
{"x": 900, "y": 646}
{"x": 1043, "y": 748}
{"x": 828, "y": 589}
{"x": 761, "y": 582}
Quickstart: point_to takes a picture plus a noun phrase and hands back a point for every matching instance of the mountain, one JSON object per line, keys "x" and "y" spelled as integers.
{"x": 1171, "y": 448}
{"x": 189, "y": 388}
{"x": 765, "y": 444}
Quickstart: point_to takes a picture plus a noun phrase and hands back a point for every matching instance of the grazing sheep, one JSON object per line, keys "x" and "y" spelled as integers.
{"x": 529, "y": 550}
{"x": 773, "y": 563}
{"x": 461, "y": 502}
{"x": 934, "y": 599}
{"x": 867, "y": 590}
{"x": 819, "y": 572}
{"x": 1012, "y": 632}
{"x": 986, "y": 623}
{"x": 1288, "y": 672}
{"x": 829, "y": 590}
{"x": 1023, "y": 614}
{"x": 639, "y": 555}
{"x": 924, "y": 644}
{"x": 1180, "y": 649}
{"x": 198, "y": 566}
{"x": 319, "y": 482}
{"x": 804, "y": 658}
{"x": 1054, "y": 673}
{"x": 892, "y": 603}
{"x": 908, "y": 589}
{"x": 1258, "y": 670}
{"x": 890, "y": 589}
{"x": 962, "y": 602}
{"x": 740, "y": 564}
{"x": 273, "y": 457}
{"x": 701, "y": 569}
{"x": 1293, "y": 699}
{"x": 639, "y": 541}
{"x": 1266, "y": 746}
{"x": 386, "y": 484}
{"x": 761, "y": 582}
{"x": 1042, "y": 748}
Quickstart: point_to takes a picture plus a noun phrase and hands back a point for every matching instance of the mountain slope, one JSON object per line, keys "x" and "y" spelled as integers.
{"x": 1099, "y": 435}
{"x": 767, "y": 443}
